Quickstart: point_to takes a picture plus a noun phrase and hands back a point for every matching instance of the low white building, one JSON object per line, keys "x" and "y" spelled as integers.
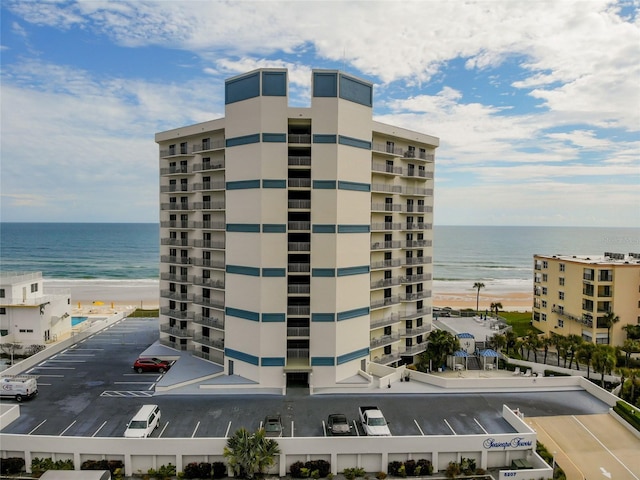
{"x": 28, "y": 314}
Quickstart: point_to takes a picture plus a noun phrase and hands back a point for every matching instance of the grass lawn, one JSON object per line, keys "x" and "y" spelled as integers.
{"x": 139, "y": 312}
{"x": 520, "y": 321}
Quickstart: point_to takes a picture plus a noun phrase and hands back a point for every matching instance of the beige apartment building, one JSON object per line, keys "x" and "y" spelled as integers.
{"x": 296, "y": 243}
{"x": 572, "y": 294}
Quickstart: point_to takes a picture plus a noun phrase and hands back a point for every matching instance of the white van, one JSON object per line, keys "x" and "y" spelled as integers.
{"x": 144, "y": 422}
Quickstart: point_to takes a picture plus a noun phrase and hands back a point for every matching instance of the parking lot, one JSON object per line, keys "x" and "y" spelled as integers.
{"x": 91, "y": 390}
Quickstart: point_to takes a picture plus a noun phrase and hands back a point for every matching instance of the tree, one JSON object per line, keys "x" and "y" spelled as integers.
{"x": 628, "y": 347}
{"x": 496, "y": 306}
{"x": 499, "y": 341}
{"x": 478, "y": 286}
{"x": 633, "y": 331}
{"x": 532, "y": 342}
{"x": 604, "y": 360}
{"x": 249, "y": 454}
{"x": 609, "y": 320}
{"x": 439, "y": 344}
{"x": 546, "y": 343}
{"x": 511, "y": 338}
{"x": 585, "y": 354}
{"x": 573, "y": 343}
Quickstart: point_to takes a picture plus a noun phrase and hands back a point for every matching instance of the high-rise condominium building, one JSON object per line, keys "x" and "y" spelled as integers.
{"x": 296, "y": 243}
{"x": 574, "y": 293}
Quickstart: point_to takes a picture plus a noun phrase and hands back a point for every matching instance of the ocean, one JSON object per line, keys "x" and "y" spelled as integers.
{"x": 500, "y": 257}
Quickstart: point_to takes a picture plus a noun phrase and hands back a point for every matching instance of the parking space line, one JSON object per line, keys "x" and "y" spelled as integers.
{"x": 292, "y": 429}
{"x": 100, "y": 428}
{"x": 324, "y": 429}
{"x": 226, "y": 434}
{"x": 54, "y": 368}
{"x": 127, "y": 383}
{"x": 67, "y": 361}
{"x": 476, "y": 420}
{"x": 63, "y": 432}
{"x": 450, "y": 427}
{"x": 416, "y": 422}
{"x": 195, "y": 430}
{"x": 43, "y": 375}
{"x": 152, "y": 386}
{"x": 355, "y": 427}
{"x": 37, "y": 427}
{"x": 165, "y": 427}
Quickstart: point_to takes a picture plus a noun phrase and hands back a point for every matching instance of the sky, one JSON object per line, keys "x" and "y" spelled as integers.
{"x": 536, "y": 103}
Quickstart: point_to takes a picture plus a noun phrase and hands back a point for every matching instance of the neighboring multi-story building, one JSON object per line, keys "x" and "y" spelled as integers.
{"x": 573, "y": 293}
{"x": 296, "y": 243}
{"x": 28, "y": 316}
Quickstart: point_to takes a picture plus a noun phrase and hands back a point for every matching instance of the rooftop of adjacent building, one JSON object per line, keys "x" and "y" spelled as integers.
{"x": 11, "y": 277}
{"x": 608, "y": 258}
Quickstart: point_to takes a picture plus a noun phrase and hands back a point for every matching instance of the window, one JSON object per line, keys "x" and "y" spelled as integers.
{"x": 34, "y": 287}
{"x": 561, "y": 266}
{"x": 544, "y": 304}
{"x": 390, "y": 147}
{"x": 544, "y": 290}
{"x": 561, "y": 295}
{"x": 561, "y": 281}
{"x": 1, "y": 292}
{"x": 543, "y": 317}
{"x": 560, "y": 309}
{"x": 545, "y": 277}
{"x": 183, "y": 148}
{"x": 545, "y": 264}
{"x": 3, "y": 311}
{"x": 560, "y": 323}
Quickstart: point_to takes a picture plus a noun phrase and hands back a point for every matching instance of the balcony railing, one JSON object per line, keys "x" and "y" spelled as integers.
{"x": 206, "y": 166}
{"x": 210, "y": 145}
{"x": 211, "y": 322}
{"x": 300, "y": 204}
{"x": 298, "y": 267}
{"x": 208, "y": 282}
{"x": 299, "y": 182}
{"x": 175, "y": 170}
{"x": 411, "y": 297}
{"x": 387, "y": 359}
{"x": 174, "y": 277}
{"x": 415, "y": 349}
{"x": 416, "y": 191}
{"x": 208, "y": 186}
{"x": 180, "y": 206}
{"x": 417, "y": 209}
{"x": 299, "y": 246}
{"x": 209, "y": 205}
{"x": 386, "y": 282}
{"x": 385, "y": 321}
{"x": 410, "y": 315}
{"x": 416, "y": 261}
{"x": 180, "y": 314}
{"x": 412, "y": 332}
{"x": 299, "y": 225}
{"x": 385, "y": 302}
{"x": 298, "y": 310}
{"x": 210, "y": 342}
{"x": 298, "y": 331}
{"x": 386, "y": 226}
{"x": 385, "y": 245}
{"x": 175, "y": 259}
{"x": 417, "y": 226}
{"x": 425, "y": 277}
{"x": 176, "y": 242}
{"x": 302, "y": 161}
{"x": 181, "y": 187}
{"x": 567, "y": 316}
{"x": 385, "y": 187}
{"x": 297, "y": 353}
{"x": 175, "y": 345}
{"x": 207, "y": 262}
{"x": 181, "y": 224}
{"x": 208, "y": 244}
{"x": 304, "y": 138}
{"x": 381, "y": 167}
{"x": 299, "y": 289}
{"x": 215, "y": 356}
{"x": 209, "y": 302}
{"x": 417, "y": 244}
{"x": 409, "y": 172}
{"x": 210, "y": 225}
{"x": 175, "y": 331}
{"x": 178, "y": 296}
{"x": 384, "y": 340}
{"x": 386, "y": 207}
{"x": 384, "y": 148}
{"x": 394, "y": 262}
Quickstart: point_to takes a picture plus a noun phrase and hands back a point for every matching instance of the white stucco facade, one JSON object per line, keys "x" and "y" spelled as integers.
{"x": 296, "y": 242}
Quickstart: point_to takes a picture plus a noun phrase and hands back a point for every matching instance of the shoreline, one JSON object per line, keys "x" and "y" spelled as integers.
{"x": 145, "y": 293}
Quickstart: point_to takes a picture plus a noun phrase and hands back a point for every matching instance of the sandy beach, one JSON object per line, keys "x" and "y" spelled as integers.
{"x": 145, "y": 294}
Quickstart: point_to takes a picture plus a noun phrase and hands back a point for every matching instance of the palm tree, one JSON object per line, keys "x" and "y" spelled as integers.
{"x": 440, "y": 344}
{"x": 511, "y": 338}
{"x": 478, "y": 286}
{"x": 546, "y": 343}
{"x": 609, "y": 320}
{"x": 250, "y": 454}
{"x": 532, "y": 343}
{"x": 629, "y": 347}
{"x": 496, "y": 306}
{"x": 573, "y": 342}
{"x": 585, "y": 354}
{"x": 604, "y": 360}
{"x": 498, "y": 341}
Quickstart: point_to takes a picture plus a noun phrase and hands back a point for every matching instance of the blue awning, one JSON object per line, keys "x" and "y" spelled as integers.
{"x": 465, "y": 335}
{"x": 460, "y": 353}
{"x": 489, "y": 353}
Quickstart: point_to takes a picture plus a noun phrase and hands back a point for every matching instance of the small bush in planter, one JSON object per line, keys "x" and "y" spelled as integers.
{"x": 393, "y": 468}
{"x": 11, "y": 465}
{"x": 410, "y": 468}
{"x": 381, "y": 475}
{"x": 296, "y": 469}
{"x": 426, "y": 467}
{"x": 197, "y": 470}
{"x": 219, "y": 470}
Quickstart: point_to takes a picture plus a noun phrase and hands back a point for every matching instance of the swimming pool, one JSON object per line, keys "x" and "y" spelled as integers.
{"x": 77, "y": 320}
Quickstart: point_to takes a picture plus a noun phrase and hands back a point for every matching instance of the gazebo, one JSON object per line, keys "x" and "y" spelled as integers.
{"x": 460, "y": 354}
{"x": 490, "y": 354}
{"x": 467, "y": 342}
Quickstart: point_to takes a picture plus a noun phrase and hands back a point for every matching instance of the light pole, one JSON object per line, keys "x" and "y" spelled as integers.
{"x": 554, "y": 462}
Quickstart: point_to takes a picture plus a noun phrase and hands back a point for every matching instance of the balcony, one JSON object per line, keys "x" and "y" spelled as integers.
{"x": 210, "y": 225}
{"x": 415, "y": 191}
{"x": 175, "y": 331}
{"x": 383, "y": 341}
{"x": 175, "y": 259}
{"x": 304, "y": 138}
{"x": 298, "y": 267}
{"x": 385, "y": 245}
{"x": 385, "y": 321}
{"x": 385, "y": 302}
{"x": 414, "y": 349}
{"x": 181, "y": 187}
{"x": 209, "y": 263}
{"x": 299, "y": 161}
{"x": 384, "y": 148}
{"x": 210, "y": 322}
{"x": 384, "y": 187}
{"x": 208, "y": 282}
{"x": 412, "y": 297}
{"x": 417, "y": 209}
{"x": 209, "y": 342}
{"x": 176, "y": 169}
{"x": 179, "y": 314}
{"x": 179, "y": 224}
{"x": 417, "y": 244}
{"x": 388, "y": 169}
{"x": 394, "y": 262}
{"x": 204, "y": 146}
{"x": 298, "y": 226}
{"x": 567, "y": 316}
{"x": 387, "y": 359}
{"x": 298, "y": 353}
{"x": 299, "y": 204}
{"x": 177, "y": 296}
{"x": 175, "y": 345}
{"x": 209, "y": 302}
{"x": 416, "y": 261}
{"x": 605, "y": 276}
{"x": 298, "y": 331}
{"x": 299, "y": 246}
{"x": 299, "y": 310}
{"x": 177, "y": 206}
{"x": 386, "y": 282}
{"x": 209, "y": 205}
{"x": 176, "y": 242}
{"x": 215, "y": 356}
{"x": 299, "y": 183}
{"x": 412, "y": 172}
{"x": 219, "y": 245}
{"x": 207, "y": 166}
{"x": 425, "y": 277}
{"x": 299, "y": 289}
{"x": 385, "y": 226}
{"x": 386, "y": 207}
{"x": 174, "y": 277}
{"x": 415, "y": 331}
{"x": 417, "y": 226}
{"x": 410, "y": 315}
{"x": 200, "y": 186}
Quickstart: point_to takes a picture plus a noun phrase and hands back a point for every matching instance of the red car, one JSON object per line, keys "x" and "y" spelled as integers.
{"x": 151, "y": 365}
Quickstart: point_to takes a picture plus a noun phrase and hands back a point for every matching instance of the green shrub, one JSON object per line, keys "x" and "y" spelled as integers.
{"x": 296, "y": 469}
{"x": 381, "y": 475}
{"x": 426, "y": 467}
{"x": 219, "y": 470}
{"x": 11, "y": 465}
{"x": 630, "y": 414}
{"x": 197, "y": 470}
{"x": 393, "y": 468}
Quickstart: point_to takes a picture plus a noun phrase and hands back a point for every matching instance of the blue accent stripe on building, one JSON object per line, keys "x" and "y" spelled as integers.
{"x": 358, "y": 312}
{"x": 243, "y": 357}
{"x": 324, "y": 184}
{"x": 242, "y": 88}
{"x": 274, "y": 183}
{"x": 359, "y": 270}
{"x": 274, "y": 137}
{"x": 323, "y": 229}
{"x": 243, "y": 140}
{"x": 354, "y": 228}
{"x": 347, "y": 357}
{"x": 243, "y": 184}
{"x": 358, "y": 187}
{"x": 323, "y": 317}
{"x": 242, "y": 270}
{"x": 273, "y": 317}
{"x": 323, "y": 272}
{"x": 272, "y": 362}
{"x": 325, "y": 84}
{"x": 243, "y": 227}
{"x": 274, "y": 84}
{"x": 325, "y": 138}
{"x": 246, "y": 314}
{"x": 354, "y": 142}
{"x": 323, "y": 361}
{"x": 274, "y": 272}
{"x": 274, "y": 228}
{"x": 356, "y": 90}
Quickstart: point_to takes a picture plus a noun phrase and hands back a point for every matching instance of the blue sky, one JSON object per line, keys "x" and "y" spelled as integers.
{"x": 536, "y": 104}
